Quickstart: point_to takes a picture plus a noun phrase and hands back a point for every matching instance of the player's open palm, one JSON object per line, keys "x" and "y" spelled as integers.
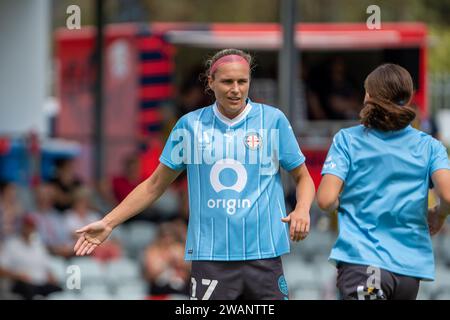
{"x": 91, "y": 236}
{"x": 299, "y": 222}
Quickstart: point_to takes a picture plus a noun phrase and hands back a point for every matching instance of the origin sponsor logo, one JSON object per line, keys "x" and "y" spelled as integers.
{"x": 229, "y": 204}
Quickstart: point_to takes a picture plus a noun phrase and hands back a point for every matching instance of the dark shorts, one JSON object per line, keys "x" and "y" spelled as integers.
{"x": 362, "y": 282}
{"x": 238, "y": 280}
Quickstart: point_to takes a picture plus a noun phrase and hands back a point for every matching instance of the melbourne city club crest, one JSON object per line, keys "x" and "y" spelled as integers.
{"x": 253, "y": 140}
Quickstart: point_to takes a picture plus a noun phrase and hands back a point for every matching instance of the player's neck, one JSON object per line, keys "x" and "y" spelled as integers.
{"x": 230, "y": 115}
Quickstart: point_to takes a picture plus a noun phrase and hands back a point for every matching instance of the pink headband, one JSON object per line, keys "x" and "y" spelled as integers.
{"x": 227, "y": 59}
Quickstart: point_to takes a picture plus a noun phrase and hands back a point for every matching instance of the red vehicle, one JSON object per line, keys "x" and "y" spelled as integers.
{"x": 145, "y": 66}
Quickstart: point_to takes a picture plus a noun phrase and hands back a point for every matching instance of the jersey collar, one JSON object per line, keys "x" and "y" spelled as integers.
{"x": 231, "y": 122}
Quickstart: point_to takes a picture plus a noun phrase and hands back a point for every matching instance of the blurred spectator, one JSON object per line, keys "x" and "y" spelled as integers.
{"x": 192, "y": 93}
{"x": 128, "y": 180}
{"x": 111, "y": 249}
{"x": 50, "y": 224}
{"x": 430, "y": 126}
{"x": 191, "y": 97}
{"x": 131, "y": 177}
{"x": 25, "y": 260}
{"x": 164, "y": 266}
{"x": 314, "y": 108}
{"x": 10, "y": 210}
{"x": 426, "y": 123}
{"x": 181, "y": 186}
{"x": 343, "y": 102}
{"x": 65, "y": 182}
{"x": 148, "y": 159}
{"x": 82, "y": 214}
{"x": 103, "y": 199}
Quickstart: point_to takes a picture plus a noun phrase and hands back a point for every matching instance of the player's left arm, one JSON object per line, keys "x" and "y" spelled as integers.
{"x": 299, "y": 218}
{"x": 438, "y": 214}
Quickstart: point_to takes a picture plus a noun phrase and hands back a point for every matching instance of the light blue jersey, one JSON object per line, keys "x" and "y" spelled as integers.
{"x": 236, "y": 199}
{"x": 383, "y": 205}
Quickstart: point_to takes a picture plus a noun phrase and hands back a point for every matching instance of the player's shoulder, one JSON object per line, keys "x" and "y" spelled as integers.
{"x": 347, "y": 136}
{"x": 349, "y": 132}
{"x": 419, "y": 137}
{"x": 272, "y": 110}
{"x": 269, "y": 111}
{"x": 424, "y": 141}
{"x": 428, "y": 139}
{"x": 358, "y": 129}
{"x": 420, "y": 134}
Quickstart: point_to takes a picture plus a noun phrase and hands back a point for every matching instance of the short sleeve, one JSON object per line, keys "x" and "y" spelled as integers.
{"x": 439, "y": 157}
{"x": 175, "y": 152}
{"x": 290, "y": 154}
{"x": 338, "y": 160}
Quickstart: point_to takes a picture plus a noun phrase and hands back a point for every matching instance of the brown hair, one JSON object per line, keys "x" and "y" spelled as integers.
{"x": 222, "y": 53}
{"x": 388, "y": 105}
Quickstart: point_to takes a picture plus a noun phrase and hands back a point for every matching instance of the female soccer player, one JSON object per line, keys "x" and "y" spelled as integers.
{"x": 378, "y": 175}
{"x": 232, "y": 151}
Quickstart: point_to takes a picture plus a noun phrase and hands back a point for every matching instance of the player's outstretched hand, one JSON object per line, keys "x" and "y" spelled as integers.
{"x": 91, "y": 236}
{"x": 435, "y": 220}
{"x": 299, "y": 224}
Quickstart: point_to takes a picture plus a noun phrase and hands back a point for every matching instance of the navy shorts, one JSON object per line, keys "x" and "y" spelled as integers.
{"x": 363, "y": 282}
{"x": 238, "y": 280}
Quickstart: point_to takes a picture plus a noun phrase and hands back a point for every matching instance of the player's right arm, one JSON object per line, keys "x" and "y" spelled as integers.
{"x": 438, "y": 214}
{"x": 144, "y": 195}
{"x": 334, "y": 172}
{"x": 328, "y": 193}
